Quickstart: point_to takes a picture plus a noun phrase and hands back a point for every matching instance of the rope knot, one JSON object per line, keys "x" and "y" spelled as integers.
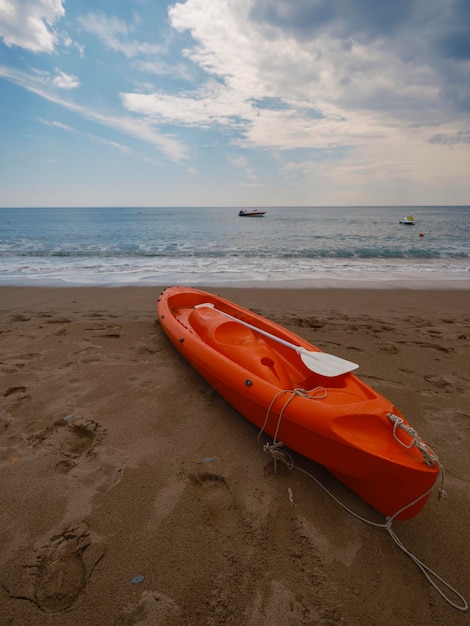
{"x": 277, "y": 454}
{"x": 398, "y": 422}
{"x": 273, "y": 449}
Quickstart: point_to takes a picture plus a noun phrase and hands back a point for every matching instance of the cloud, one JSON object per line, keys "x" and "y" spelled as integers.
{"x": 322, "y": 73}
{"x": 456, "y": 44}
{"x": 212, "y": 104}
{"x": 29, "y": 24}
{"x": 257, "y": 83}
{"x": 224, "y": 45}
{"x": 362, "y": 20}
{"x": 115, "y": 145}
{"x": 451, "y": 139}
{"x": 453, "y": 39}
{"x": 115, "y": 34}
{"x": 65, "y": 81}
{"x": 165, "y": 68}
{"x": 425, "y": 42}
{"x": 56, "y": 124}
{"x": 140, "y": 129}
{"x": 40, "y": 78}
{"x": 69, "y": 43}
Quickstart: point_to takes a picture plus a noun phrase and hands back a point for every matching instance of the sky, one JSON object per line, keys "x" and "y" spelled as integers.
{"x": 234, "y": 102}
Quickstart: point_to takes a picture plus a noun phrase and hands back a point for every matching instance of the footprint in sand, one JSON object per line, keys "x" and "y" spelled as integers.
{"x": 153, "y": 609}
{"x": 15, "y": 391}
{"x": 77, "y": 441}
{"x": 388, "y": 348}
{"x": 214, "y": 492}
{"x": 16, "y": 396}
{"x": 77, "y": 438}
{"x": 101, "y": 315}
{"x": 64, "y": 467}
{"x": 60, "y": 571}
{"x": 432, "y": 346}
{"x": 307, "y": 322}
{"x": 87, "y": 356}
{"x": 18, "y": 362}
{"x": 20, "y": 318}
{"x": 58, "y": 320}
{"x": 110, "y": 331}
{"x": 445, "y": 384}
{"x": 73, "y": 438}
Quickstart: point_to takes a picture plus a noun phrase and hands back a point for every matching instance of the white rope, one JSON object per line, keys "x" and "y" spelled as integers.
{"x": 274, "y": 448}
{"x": 398, "y": 422}
{"x": 426, "y": 570}
{"x": 281, "y": 455}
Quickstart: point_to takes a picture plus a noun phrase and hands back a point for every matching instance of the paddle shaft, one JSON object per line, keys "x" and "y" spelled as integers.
{"x": 319, "y": 362}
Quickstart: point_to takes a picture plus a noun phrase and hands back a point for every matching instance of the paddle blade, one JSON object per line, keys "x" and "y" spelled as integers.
{"x": 326, "y": 364}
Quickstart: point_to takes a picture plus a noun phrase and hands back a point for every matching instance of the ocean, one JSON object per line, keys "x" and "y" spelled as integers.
{"x": 288, "y": 247}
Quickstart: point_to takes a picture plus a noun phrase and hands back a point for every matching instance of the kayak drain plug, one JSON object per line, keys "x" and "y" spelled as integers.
{"x": 248, "y": 382}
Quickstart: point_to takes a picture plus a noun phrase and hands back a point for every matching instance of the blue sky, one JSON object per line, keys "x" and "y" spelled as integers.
{"x": 234, "y": 102}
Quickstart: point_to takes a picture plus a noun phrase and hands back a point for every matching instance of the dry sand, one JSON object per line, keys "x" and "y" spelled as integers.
{"x": 132, "y": 494}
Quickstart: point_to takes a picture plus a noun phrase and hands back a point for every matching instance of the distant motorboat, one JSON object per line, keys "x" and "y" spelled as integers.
{"x": 410, "y": 220}
{"x": 253, "y": 213}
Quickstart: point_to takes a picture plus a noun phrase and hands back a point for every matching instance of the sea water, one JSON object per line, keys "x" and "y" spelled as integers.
{"x": 288, "y": 247}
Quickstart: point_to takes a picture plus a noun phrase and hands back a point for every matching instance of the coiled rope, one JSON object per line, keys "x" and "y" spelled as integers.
{"x": 274, "y": 450}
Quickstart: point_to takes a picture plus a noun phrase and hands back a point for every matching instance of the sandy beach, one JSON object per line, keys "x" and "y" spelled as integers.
{"x": 132, "y": 494}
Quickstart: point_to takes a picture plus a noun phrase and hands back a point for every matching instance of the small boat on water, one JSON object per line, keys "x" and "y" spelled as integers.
{"x": 410, "y": 220}
{"x": 251, "y": 213}
{"x": 303, "y": 398}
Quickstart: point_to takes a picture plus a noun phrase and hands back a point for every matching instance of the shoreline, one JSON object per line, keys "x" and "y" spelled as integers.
{"x": 135, "y": 495}
{"x": 444, "y": 282}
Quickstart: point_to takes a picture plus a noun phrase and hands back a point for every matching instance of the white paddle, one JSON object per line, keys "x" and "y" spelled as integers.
{"x": 318, "y": 362}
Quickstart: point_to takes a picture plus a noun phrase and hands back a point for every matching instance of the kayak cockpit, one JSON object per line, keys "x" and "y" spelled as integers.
{"x": 261, "y": 356}
{"x": 244, "y": 347}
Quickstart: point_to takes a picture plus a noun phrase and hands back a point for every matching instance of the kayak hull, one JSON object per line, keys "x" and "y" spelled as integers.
{"x": 338, "y": 422}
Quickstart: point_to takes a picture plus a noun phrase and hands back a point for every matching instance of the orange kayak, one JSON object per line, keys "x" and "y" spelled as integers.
{"x": 306, "y": 399}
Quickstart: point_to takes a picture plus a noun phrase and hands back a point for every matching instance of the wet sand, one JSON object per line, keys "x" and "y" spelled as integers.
{"x": 133, "y": 494}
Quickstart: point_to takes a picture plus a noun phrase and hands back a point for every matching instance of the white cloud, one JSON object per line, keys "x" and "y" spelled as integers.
{"x": 69, "y": 43}
{"x": 139, "y": 129}
{"x": 56, "y": 124}
{"x": 224, "y": 35}
{"x": 379, "y": 104}
{"x": 65, "y": 81}
{"x": 402, "y": 164}
{"x": 326, "y": 92}
{"x": 115, "y": 34}
{"x": 29, "y": 24}
{"x": 330, "y": 91}
{"x": 120, "y": 147}
{"x": 165, "y": 68}
{"x": 211, "y": 104}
